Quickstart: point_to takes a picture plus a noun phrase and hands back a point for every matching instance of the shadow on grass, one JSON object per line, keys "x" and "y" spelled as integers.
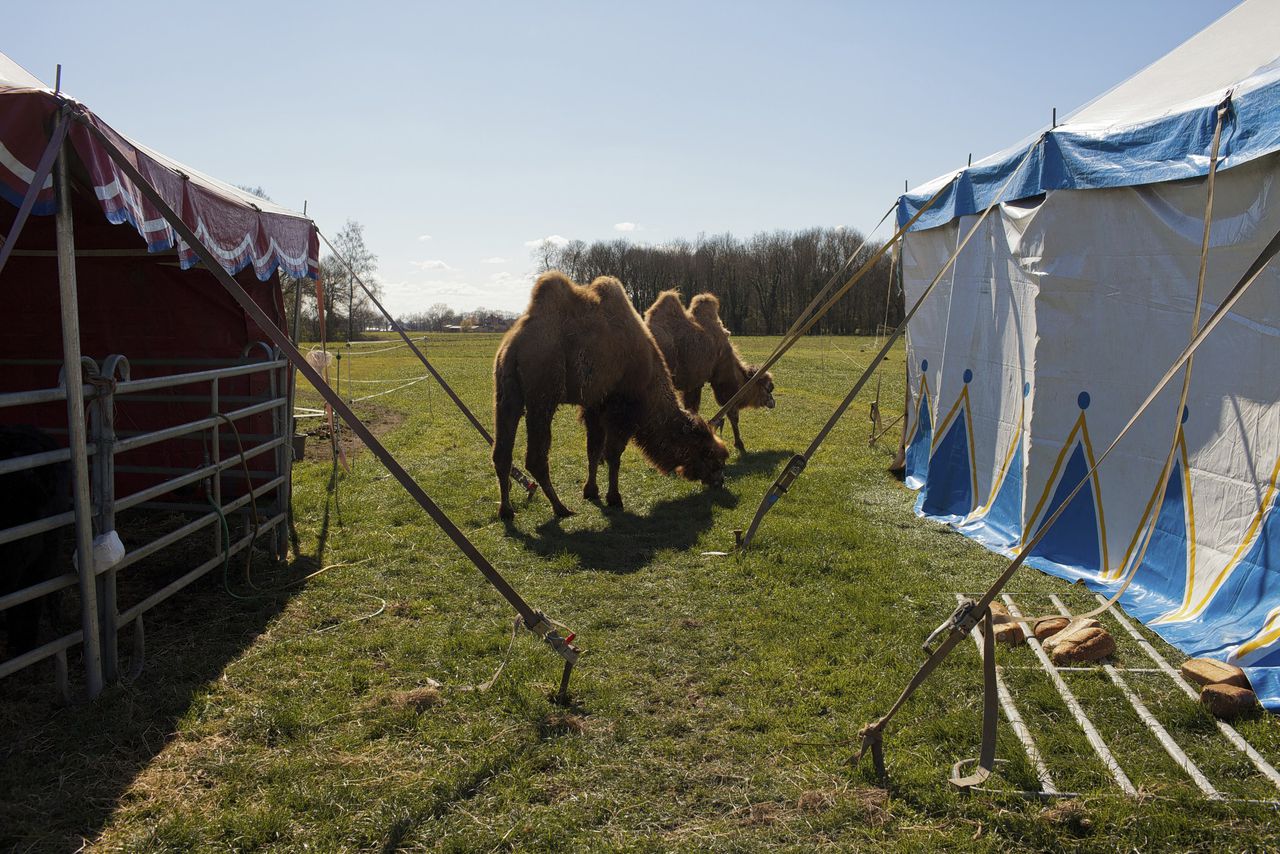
{"x": 65, "y": 769}
{"x": 631, "y": 540}
{"x": 758, "y": 462}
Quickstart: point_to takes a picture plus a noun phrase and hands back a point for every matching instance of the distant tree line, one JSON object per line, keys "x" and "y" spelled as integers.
{"x": 442, "y": 318}
{"x": 763, "y": 282}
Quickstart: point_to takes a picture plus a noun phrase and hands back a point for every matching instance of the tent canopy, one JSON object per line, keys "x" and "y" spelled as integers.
{"x": 1156, "y": 126}
{"x": 241, "y": 229}
{"x": 1051, "y": 327}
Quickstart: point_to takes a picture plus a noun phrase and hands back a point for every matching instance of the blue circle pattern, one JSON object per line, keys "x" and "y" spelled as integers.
{"x": 1083, "y": 400}
{"x": 968, "y": 375}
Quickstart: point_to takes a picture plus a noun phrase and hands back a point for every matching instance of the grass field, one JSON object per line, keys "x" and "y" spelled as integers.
{"x": 714, "y": 706}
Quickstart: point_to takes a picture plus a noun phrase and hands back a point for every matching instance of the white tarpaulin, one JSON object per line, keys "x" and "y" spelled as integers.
{"x": 1068, "y": 305}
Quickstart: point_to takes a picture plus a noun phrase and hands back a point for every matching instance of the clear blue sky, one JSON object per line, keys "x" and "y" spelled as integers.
{"x": 459, "y": 132}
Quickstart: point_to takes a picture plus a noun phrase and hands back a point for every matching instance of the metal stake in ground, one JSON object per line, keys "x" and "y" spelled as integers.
{"x": 533, "y": 620}
{"x": 516, "y": 474}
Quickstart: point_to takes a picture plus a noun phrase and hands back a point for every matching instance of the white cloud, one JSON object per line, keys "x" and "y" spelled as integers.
{"x": 424, "y": 236}
{"x": 553, "y": 239}
{"x": 494, "y": 260}
{"x": 433, "y": 264}
{"x": 625, "y": 226}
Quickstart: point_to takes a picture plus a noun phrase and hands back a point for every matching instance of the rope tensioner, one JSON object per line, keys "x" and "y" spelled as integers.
{"x": 545, "y": 630}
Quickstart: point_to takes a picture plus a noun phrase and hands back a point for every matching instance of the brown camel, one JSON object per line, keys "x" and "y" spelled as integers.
{"x": 698, "y": 350}
{"x": 588, "y": 346}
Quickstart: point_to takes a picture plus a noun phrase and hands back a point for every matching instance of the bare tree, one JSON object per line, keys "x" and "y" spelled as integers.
{"x": 340, "y": 285}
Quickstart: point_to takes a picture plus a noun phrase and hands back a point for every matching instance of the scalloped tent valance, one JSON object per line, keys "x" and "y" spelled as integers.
{"x": 240, "y": 228}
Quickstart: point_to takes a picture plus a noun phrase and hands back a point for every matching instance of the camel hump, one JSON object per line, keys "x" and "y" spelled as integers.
{"x": 552, "y": 289}
{"x": 667, "y": 305}
{"x": 705, "y": 307}
{"x": 610, "y": 292}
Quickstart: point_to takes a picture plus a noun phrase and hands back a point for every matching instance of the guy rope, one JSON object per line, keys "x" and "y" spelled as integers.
{"x": 516, "y": 474}
{"x": 813, "y": 313}
{"x": 796, "y": 465}
{"x": 535, "y": 621}
{"x": 953, "y": 630}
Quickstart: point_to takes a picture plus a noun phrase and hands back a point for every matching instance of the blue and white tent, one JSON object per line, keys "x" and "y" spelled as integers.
{"x": 1071, "y": 301}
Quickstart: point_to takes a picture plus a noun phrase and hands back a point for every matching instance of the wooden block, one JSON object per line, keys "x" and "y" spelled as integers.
{"x": 1076, "y": 624}
{"x": 1209, "y": 671}
{"x": 1000, "y": 614}
{"x": 1050, "y": 626}
{"x": 1227, "y": 701}
{"x": 1008, "y": 633}
{"x": 1087, "y": 643}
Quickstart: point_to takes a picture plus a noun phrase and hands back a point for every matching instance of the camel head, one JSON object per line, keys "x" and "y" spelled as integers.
{"x": 701, "y": 453}
{"x": 761, "y": 392}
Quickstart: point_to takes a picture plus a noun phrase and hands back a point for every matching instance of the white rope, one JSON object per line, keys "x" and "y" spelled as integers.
{"x": 388, "y": 380}
{"x": 382, "y": 350}
{"x": 388, "y": 391}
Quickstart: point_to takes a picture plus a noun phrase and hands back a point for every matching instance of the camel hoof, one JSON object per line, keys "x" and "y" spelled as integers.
{"x": 506, "y": 512}
{"x": 742, "y": 449}
{"x": 615, "y": 501}
{"x": 591, "y": 492}
{"x": 564, "y": 512}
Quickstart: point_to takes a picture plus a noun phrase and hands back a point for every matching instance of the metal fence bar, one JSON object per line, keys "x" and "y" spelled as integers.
{"x": 1016, "y": 723}
{"x": 143, "y": 552}
{"x": 35, "y": 461}
{"x": 1264, "y": 767}
{"x": 194, "y": 377}
{"x": 141, "y": 441}
{"x": 102, "y": 427}
{"x": 195, "y": 574}
{"x": 60, "y": 645}
{"x": 1176, "y": 753}
{"x": 35, "y": 591}
{"x": 1073, "y": 705}
{"x": 54, "y": 395}
{"x": 195, "y": 475}
{"x": 99, "y": 602}
{"x": 40, "y": 653}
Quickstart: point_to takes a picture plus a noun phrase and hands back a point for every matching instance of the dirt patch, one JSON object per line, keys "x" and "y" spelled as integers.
{"x": 419, "y": 699}
{"x": 379, "y": 419}
{"x": 1069, "y": 815}
{"x": 561, "y": 723}
{"x": 761, "y": 814}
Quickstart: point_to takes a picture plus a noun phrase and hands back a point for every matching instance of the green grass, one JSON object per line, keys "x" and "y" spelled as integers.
{"x": 713, "y": 708}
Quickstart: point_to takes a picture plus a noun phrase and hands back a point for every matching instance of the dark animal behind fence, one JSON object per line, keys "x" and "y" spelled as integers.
{"x": 26, "y": 496}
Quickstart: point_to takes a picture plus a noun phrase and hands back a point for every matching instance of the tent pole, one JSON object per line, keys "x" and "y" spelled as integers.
{"x": 533, "y": 620}
{"x": 68, "y": 296}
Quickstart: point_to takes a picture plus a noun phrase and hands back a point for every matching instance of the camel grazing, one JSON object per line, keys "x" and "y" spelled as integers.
{"x": 698, "y": 350}
{"x": 588, "y": 346}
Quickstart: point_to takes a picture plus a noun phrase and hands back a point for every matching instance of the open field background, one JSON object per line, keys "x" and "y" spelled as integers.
{"x": 713, "y": 708}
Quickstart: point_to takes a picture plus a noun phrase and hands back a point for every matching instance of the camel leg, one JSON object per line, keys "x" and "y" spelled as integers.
{"x": 509, "y": 406}
{"x": 692, "y": 399}
{"x": 592, "y": 420}
{"x": 614, "y": 444}
{"x": 538, "y": 426}
{"x": 737, "y": 439}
